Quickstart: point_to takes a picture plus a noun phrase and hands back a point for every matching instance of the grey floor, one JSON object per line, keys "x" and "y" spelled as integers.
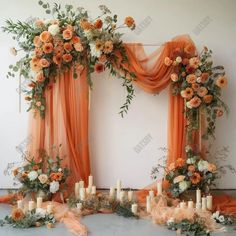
{"x": 98, "y": 225}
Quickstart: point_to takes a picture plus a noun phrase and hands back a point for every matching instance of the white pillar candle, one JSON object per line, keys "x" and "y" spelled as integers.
{"x": 198, "y": 205}
{"x": 182, "y": 205}
{"x": 77, "y": 187}
{"x": 148, "y": 204}
{"x": 49, "y": 208}
{"x": 82, "y": 194}
{"x": 151, "y": 194}
{"x": 209, "y": 202}
{"x": 190, "y": 204}
{"x": 79, "y": 205}
{"x": 118, "y": 189}
{"x": 122, "y": 196}
{"x": 134, "y": 208}
{"x": 88, "y": 190}
{"x": 31, "y": 205}
{"x": 204, "y": 203}
{"x": 112, "y": 192}
{"x": 39, "y": 202}
{"x": 93, "y": 190}
{"x": 159, "y": 188}
{"x": 20, "y": 204}
{"x": 198, "y": 196}
{"x": 130, "y": 195}
{"x": 81, "y": 184}
{"x": 90, "y": 181}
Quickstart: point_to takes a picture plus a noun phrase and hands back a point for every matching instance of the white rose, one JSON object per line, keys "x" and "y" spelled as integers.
{"x": 202, "y": 165}
{"x": 54, "y": 186}
{"x": 183, "y": 186}
{"x": 53, "y": 29}
{"x": 190, "y": 161}
{"x": 94, "y": 51}
{"x": 221, "y": 219}
{"x": 199, "y": 79}
{"x": 188, "y": 105}
{"x": 60, "y": 170}
{"x": 43, "y": 178}
{"x": 178, "y": 59}
{"x": 33, "y": 175}
{"x": 41, "y": 212}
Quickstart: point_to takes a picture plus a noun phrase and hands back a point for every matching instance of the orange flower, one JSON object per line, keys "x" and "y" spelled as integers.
{"x": 17, "y": 214}
{"x": 108, "y": 47}
{"x": 98, "y": 24}
{"x": 191, "y": 168}
{"x": 75, "y": 39}
{"x": 180, "y": 162}
{"x": 24, "y": 174}
{"x": 168, "y": 61}
{"x": 38, "y": 52}
{"x": 174, "y": 77}
{"x": 204, "y": 77}
{"x": 57, "y": 59}
{"x": 70, "y": 27}
{"x": 67, "y": 34}
{"x": 99, "y": 44}
{"x": 185, "y": 61}
{"x": 202, "y": 91}
{"x": 191, "y": 78}
{"x": 211, "y": 167}
{"x": 99, "y": 67}
{"x": 59, "y": 50}
{"x": 67, "y": 57}
{"x": 165, "y": 184}
{"x": 195, "y": 102}
{"x": 129, "y": 21}
{"x": 195, "y": 86}
{"x": 15, "y": 172}
{"x": 194, "y": 62}
{"x": 44, "y": 63}
{"x": 35, "y": 167}
{"x": 67, "y": 46}
{"x": 171, "y": 166}
{"x": 56, "y": 176}
{"x": 221, "y": 82}
{"x": 208, "y": 98}
{"x": 187, "y": 93}
{"x": 190, "y": 49}
{"x": 47, "y": 48}
{"x": 40, "y": 77}
{"x": 85, "y": 25}
{"x": 35, "y": 64}
{"x": 195, "y": 178}
{"x": 37, "y": 42}
{"x": 78, "y": 47}
{"x": 45, "y": 36}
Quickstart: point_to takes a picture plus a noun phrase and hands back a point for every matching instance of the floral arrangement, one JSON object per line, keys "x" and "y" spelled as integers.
{"x": 200, "y": 84}
{"x": 45, "y": 176}
{"x": 34, "y": 218}
{"x": 71, "y": 39}
{"x": 222, "y": 219}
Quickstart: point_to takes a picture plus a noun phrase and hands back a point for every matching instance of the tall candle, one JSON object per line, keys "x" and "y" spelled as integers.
{"x": 209, "y": 202}
{"x": 151, "y": 194}
{"x": 77, "y": 187}
{"x": 182, "y": 205}
{"x": 122, "y": 196}
{"x": 49, "y": 208}
{"x": 112, "y": 192}
{"x": 81, "y": 184}
{"x": 39, "y": 202}
{"x": 134, "y": 208}
{"x": 20, "y": 204}
{"x": 159, "y": 188}
{"x": 130, "y": 195}
{"x": 204, "y": 203}
{"x": 190, "y": 204}
{"x": 198, "y": 196}
{"x": 118, "y": 189}
{"x": 93, "y": 190}
{"x": 198, "y": 205}
{"x": 90, "y": 181}
{"x": 148, "y": 204}
{"x": 82, "y": 194}
{"x": 31, "y": 205}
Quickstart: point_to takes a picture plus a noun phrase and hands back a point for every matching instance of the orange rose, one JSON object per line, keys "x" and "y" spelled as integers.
{"x": 99, "y": 44}
{"x": 204, "y": 77}
{"x": 202, "y": 91}
{"x": 57, "y": 59}
{"x": 195, "y": 86}
{"x": 37, "y": 42}
{"x": 194, "y": 62}
{"x": 45, "y": 36}
{"x": 35, "y": 64}
{"x": 165, "y": 184}
{"x": 59, "y": 50}
{"x": 221, "y": 82}
{"x": 78, "y": 47}
{"x": 67, "y": 34}
{"x": 38, "y": 52}
{"x": 44, "y": 63}
{"x": 191, "y": 78}
{"x": 99, "y": 67}
{"x": 40, "y": 77}
{"x": 174, "y": 77}
{"x": 67, "y": 57}
{"x": 129, "y": 21}
{"x": 180, "y": 162}
{"x": 85, "y": 25}
{"x": 195, "y": 102}
{"x": 168, "y": 61}
{"x": 187, "y": 93}
{"x": 47, "y": 48}
{"x": 195, "y": 178}
{"x": 36, "y": 167}
{"x": 191, "y": 168}
{"x": 98, "y": 24}
{"x": 108, "y": 47}
{"x": 17, "y": 214}
{"x": 190, "y": 49}
{"x": 208, "y": 98}
{"x": 67, "y": 47}
{"x": 211, "y": 167}
{"x": 75, "y": 39}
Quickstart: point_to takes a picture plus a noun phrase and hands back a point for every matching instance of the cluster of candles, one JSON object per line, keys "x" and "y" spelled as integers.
{"x": 31, "y": 205}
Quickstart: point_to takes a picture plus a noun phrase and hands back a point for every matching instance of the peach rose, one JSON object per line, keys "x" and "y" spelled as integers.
{"x": 168, "y": 61}
{"x": 194, "y": 62}
{"x": 195, "y": 87}
{"x": 171, "y": 166}
{"x": 178, "y": 179}
{"x": 99, "y": 45}
{"x": 187, "y": 93}
{"x": 47, "y": 48}
{"x": 219, "y": 112}
{"x": 39, "y": 23}
{"x": 44, "y": 63}
{"x": 17, "y": 214}
{"x": 191, "y": 168}
{"x": 75, "y": 39}
{"x": 59, "y": 50}
{"x": 191, "y": 78}
{"x": 102, "y": 58}
{"x": 202, "y": 91}
{"x": 78, "y": 47}
{"x": 98, "y": 24}
{"x": 212, "y": 168}
{"x": 43, "y": 178}
{"x": 67, "y": 57}
{"x": 108, "y": 47}
{"x": 57, "y": 59}
{"x": 35, "y": 64}
{"x": 37, "y": 42}
{"x": 67, "y": 46}
{"x": 174, "y": 77}
{"x": 221, "y": 82}
{"x": 45, "y": 36}
{"x": 195, "y": 102}
{"x": 204, "y": 77}
{"x": 208, "y": 98}
{"x": 38, "y": 104}
{"x": 129, "y": 21}
{"x": 38, "y": 52}
{"x": 40, "y": 77}
{"x": 85, "y": 25}
{"x": 67, "y": 34}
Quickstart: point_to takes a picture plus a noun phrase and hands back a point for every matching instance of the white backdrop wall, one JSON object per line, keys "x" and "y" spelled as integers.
{"x": 128, "y": 148}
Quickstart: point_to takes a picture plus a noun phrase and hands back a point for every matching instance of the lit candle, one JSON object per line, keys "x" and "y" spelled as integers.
{"x": 82, "y": 194}
{"x": 77, "y": 187}
{"x": 130, "y": 195}
{"x": 31, "y": 205}
{"x": 190, "y": 204}
{"x": 118, "y": 189}
{"x": 81, "y": 184}
{"x": 159, "y": 188}
{"x": 151, "y": 194}
{"x": 90, "y": 181}
{"x": 20, "y": 204}
{"x": 39, "y": 202}
{"x": 122, "y": 196}
{"x": 148, "y": 204}
{"x": 209, "y": 202}
{"x": 204, "y": 203}
{"x": 134, "y": 208}
{"x": 112, "y": 192}
{"x": 93, "y": 190}
{"x": 182, "y": 205}
{"x": 49, "y": 208}
{"x": 198, "y": 196}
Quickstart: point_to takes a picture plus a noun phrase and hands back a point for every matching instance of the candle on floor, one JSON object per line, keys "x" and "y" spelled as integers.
{"x": 112, "y": 192}
{"x": 20, "y": 204}
{"x": 159, "y": 188}
{"x": 90, "y": 181}
{"x": 151, "y": 194}
{"x": 122, "y": 196}
{"x": 182, "y": 204}
{"x": 81, "y": 184}
{"x": 198, "y": 196}
{"x": 31, "y": 205}
{"x": 77, "y": 187}
{"x": 148, "y": 204}
{"x": 49, "y": 208}
{"x": 39, "y": 202}
{"x": 134, "y": 208}
{"x": 190, "y": 204}
{"x": 204, "y": 203}
{"x": 82, "y": 194}
{"x": 93, "y": 190}
{"x": 130, "y": 195}
{"x": 118, "y": 189}
{"x": 198, "y": 205}
{"x": 209, "y": 202}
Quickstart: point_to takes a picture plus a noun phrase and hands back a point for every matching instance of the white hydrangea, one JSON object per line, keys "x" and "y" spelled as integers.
{"x": 183, "y": 186}
{"x": 94, "y": 52}
{"x": 54, "y": 186}
{"x": 33, "y": 175}
{"x": 202, "y": 165}
{"x": 54, "y": 29}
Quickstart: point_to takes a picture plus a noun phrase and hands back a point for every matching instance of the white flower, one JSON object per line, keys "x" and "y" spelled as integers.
{"x": 54, "y": 29}
{"x": 199, "y": 80}
{"x": 221, "y": 219}
{"x": 94, "y": 51}
{"x": 60, "y": 170}
{"x": 216, "y": 215}
{"x": 202, "y": 165}
{"x": 33, "y": 175}
{"x": 183, "y": 186}
{"x": 43, "y": 178}
{"x": 47, "y": 21}
{"x": 188, "y": 104}
{"x": 190, "y": 161}
{"x": 54, "y": 186}
{"x": 178, "y": 59}
{"x": 41, "y": 212}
